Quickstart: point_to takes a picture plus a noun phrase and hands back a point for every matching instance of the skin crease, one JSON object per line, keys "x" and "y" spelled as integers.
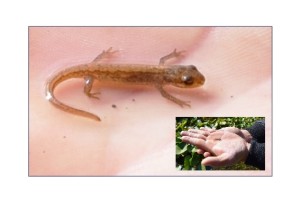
{"x": 137, "y": 136}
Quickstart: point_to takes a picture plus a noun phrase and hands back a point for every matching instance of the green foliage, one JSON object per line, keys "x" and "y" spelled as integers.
{"x": 186, "y": 156}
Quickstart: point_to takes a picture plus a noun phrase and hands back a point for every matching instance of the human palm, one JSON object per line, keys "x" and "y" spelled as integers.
{"x": 220, "y": 148}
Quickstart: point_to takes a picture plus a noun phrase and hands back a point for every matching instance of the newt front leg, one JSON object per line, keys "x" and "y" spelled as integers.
{"x": 173, "y": 54}
{"x": 171, "y": 98}
{"x": 165, "y": 94}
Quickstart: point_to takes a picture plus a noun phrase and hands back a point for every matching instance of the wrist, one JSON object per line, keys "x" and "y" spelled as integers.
{"x": 247, "y": 150}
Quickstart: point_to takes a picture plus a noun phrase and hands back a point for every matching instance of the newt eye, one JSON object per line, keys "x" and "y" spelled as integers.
{"x": 188, "y": 80}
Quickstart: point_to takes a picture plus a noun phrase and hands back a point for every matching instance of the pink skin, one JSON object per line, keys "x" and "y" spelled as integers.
{"x": 137, "y": 137}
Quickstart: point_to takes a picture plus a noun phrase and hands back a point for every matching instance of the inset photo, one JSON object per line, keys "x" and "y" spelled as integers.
{"x": 220, "y": 143}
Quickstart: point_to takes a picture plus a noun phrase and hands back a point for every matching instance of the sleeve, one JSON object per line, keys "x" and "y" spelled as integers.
{"x": 256, "y": 156}
{"x": 258, "y": 131}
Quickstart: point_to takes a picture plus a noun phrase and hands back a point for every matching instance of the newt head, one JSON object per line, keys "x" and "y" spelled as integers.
{"x": 185, "y": 76}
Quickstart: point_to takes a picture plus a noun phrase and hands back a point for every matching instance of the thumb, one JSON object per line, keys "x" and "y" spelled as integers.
{"x": 216, "y": 161}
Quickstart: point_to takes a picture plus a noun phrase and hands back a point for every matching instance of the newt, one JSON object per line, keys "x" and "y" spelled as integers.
{"x": 182, "y": 76}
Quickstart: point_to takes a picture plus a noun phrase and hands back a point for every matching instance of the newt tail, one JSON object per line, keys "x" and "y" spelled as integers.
{"x": 51, "y": 85}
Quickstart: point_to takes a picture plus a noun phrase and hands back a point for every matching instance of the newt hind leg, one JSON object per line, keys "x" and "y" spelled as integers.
{"x": 88, "y": 84}
{"x": 104, "y": 54}
{"x": 89, "y": 80}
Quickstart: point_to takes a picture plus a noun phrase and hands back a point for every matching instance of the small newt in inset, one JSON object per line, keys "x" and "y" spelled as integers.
{"x": 183, "y": 76}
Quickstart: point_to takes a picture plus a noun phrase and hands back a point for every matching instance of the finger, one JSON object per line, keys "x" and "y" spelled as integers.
{"x": 194, "y": 130}
{"x": 206, "y": 154}
{"x": 187, "y": 133}
{"x": 194, "y": 135}
{"x": 197, "y": 131}
{"x": 216, "y": 161}
{"x": 203, "y": 130}
{"x": 207, "y": 129}
{"x": 200, "y": 151}
{"x": 199, "y": 143}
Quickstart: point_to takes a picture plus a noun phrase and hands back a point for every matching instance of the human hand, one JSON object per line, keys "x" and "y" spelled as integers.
{"x": 219, "y": 147}
{"x": 203, "y": 132}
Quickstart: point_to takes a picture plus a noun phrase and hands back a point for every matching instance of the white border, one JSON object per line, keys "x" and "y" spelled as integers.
{"x": 16, "y": 17}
